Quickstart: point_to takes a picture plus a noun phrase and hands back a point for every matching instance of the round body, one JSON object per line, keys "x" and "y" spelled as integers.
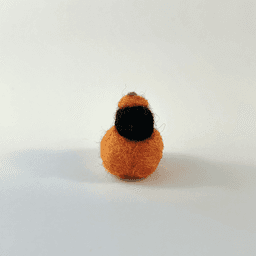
{"x": 128, "y": 159}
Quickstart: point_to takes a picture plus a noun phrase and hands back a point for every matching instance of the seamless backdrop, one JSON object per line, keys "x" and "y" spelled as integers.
{"x": 64, "y": 65}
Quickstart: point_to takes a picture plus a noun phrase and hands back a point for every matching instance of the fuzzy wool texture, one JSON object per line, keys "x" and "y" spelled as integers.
{"x": 132, "y": 101}
{"x": 131, "y": 159}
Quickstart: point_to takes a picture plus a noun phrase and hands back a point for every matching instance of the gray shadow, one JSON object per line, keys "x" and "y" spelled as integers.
{"x": 177, "y": 170}
{"x": 174, "y": 170}
{"x": 81, "y": 165}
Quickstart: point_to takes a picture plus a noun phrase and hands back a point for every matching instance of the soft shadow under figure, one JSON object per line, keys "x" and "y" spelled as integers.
{"x": 174, "y": 170}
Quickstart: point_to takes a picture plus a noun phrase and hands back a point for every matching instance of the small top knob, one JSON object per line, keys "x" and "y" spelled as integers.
{"x": 132, "y": 94}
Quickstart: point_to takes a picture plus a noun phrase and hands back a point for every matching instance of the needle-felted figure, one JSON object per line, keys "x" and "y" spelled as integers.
{"x": 132, "y": 148}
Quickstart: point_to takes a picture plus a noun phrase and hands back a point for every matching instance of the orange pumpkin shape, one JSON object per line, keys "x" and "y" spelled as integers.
{"x": 132, "y": 148}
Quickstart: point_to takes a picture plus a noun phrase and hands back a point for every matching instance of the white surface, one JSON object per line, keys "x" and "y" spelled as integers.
{"x": 64, "y": 66}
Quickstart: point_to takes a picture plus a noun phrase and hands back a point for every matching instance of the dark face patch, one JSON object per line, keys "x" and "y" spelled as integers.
{"x": 134, "y": 123}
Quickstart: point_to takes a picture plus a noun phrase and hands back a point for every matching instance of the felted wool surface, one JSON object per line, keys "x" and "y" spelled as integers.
{"x": 132, "y": 101}
{"x": 129, "y": 159}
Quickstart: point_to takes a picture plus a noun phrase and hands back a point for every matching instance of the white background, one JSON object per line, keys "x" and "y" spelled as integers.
{"x": 64, "y": 65}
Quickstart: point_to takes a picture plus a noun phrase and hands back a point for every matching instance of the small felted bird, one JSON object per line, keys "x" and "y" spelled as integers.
{"x": 132, "y": 148}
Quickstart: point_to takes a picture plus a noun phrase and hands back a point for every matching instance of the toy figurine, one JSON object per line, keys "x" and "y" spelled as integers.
{"x": 132, "y": 148}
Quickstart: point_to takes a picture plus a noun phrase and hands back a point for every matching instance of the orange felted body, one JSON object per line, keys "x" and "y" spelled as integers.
{"x": 131, "y": 159}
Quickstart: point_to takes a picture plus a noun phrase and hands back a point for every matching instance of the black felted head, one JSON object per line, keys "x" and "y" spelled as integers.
{"x": 135, "y": 123}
